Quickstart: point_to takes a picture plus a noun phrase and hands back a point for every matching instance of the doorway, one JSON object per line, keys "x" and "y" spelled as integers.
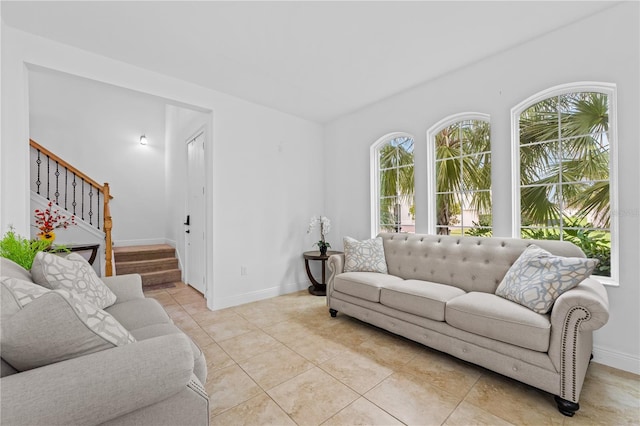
{"x": 195, "y": 243}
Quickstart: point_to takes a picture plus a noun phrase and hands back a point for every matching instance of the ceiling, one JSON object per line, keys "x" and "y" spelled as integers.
{"x": 316, "y": 60}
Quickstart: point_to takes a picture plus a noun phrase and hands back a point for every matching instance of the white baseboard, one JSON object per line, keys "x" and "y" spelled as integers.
{"x": 616, "y": 359}
{"x": 240, "y": 299}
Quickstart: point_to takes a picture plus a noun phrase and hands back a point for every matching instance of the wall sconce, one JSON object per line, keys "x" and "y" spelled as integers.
{"x": 143, "y": 140}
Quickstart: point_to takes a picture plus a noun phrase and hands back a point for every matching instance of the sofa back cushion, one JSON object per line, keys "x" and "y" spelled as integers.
{"x": 469, "y": 263}
{"x": 9, "y": 268}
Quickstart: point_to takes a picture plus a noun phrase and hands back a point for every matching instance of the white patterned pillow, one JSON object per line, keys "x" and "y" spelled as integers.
{"x": 364, "y": 256}
{"x": 55, "y": 326}
{"x": 538, "y": 278}
{"x": 71, "y": 273}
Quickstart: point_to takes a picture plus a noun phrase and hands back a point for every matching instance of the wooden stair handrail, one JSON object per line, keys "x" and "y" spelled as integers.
{"x": 108, "y": 222}
{"x": 63, "y": 163}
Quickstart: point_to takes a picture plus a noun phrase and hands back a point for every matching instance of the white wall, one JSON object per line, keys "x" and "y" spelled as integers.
{"x": 266, "y": 164}
{"x": 96, "y": 127}
{"x": 493, "y": 86}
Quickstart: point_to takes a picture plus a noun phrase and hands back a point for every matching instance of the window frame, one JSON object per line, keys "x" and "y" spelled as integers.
{"x": 431, "y": 159}
{"x": 608, "y": 89}
{"x": 374, "y": 153}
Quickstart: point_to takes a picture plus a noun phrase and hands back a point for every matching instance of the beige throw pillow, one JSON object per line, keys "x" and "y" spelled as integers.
{"x": 364, "y": 256}
{"x": 72, "y": 273}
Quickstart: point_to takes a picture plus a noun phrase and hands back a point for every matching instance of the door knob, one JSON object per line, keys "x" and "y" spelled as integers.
{"x": 187, "y": 231}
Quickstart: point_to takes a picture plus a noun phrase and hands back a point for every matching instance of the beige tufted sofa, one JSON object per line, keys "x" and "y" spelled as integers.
{"x": 440, "y": 292}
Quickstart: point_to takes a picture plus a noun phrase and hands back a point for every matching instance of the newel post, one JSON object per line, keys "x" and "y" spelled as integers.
{"x": 108, "y": 224}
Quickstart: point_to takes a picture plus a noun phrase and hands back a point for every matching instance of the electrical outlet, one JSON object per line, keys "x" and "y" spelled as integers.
{"x": 243, "y": 271}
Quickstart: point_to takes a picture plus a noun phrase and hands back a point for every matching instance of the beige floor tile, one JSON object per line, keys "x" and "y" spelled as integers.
{"x": 196, "y": 307}
{"x": 216, "y": 357}
{"x": 228, "y": 328}
{"x": 200, "y": 337}
{"x": 312, "y": 397}
{"x": 248, "y": 345}
{"x": 187, "y": 296}
{"x": 276, "y": 366}
{"x": 349, "y": 333}
{"x": 356, "y": 371}
{"x": 258, "y": 411}
{"x": 469, "y": 415}
{"x": 163, "y": 297}
{"x": 209, "y": 317}
{"x": 413, "y": 401}
{"x": 514, "y": 401}
{"x": 317, "y": 349}
{"x": 608, "y": 396}
{"x": 443, "y": 371}
{"x": 178, "y": 287}
{"x": 288, "y": 331}
{"x": 390, "y": 350}
{"x": 362, "y": 413}
{"x": 228, "y": 387}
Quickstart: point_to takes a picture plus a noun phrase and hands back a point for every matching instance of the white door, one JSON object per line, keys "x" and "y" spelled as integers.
{"x": 194, "y": 226}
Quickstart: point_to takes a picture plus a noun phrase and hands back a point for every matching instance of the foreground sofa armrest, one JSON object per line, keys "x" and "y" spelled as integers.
{"x": 575, "y": 315}
{"x": 98, "y": 387}
{"x": 125, "y": 287}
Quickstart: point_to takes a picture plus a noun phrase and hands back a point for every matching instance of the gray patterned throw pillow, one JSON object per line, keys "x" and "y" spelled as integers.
{"x": 538, "y": 278}
{"x": 72, "y": 273}
{"x": 364, "y": 256}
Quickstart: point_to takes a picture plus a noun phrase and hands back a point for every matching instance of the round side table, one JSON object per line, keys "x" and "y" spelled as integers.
{"x": 317, "y": 288}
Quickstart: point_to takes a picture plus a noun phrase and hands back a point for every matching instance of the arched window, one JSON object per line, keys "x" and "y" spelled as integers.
{"x": 392, "y": 184}
{"x": 459, "y": 162}
{"x": 563, "y": 143}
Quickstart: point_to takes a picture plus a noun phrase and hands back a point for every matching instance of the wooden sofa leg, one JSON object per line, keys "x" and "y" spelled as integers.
{"x": 567, "y": 408}
{"x": 333, "y": 312}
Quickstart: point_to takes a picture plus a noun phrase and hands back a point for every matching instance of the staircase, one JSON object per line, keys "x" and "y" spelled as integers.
{"x": 156, "y": 264}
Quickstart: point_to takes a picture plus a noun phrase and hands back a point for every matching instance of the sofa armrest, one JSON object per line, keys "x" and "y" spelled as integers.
{"x": 336, "y": 266}
{"x": 575, "y": 315}
{"x": 95, "y": 388}
{"x": 125, "y": 287}
{"x": 590, "y": 297}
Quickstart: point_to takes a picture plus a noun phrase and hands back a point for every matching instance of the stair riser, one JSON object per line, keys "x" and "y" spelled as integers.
{"x": 161, "y": 278}
{"x": 143, "y": 266}
{"x": 144, "y": 255}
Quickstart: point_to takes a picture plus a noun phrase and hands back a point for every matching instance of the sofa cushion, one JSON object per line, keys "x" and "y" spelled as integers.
{"x": 364, "y": 256}
{"x": 72, "y": 273}
{"x": 56, "y": 326}
{"x": 422, "y": 298}
{"x": 9, "y": 268}
{"x": 365, "y": 285}
{"x": 538, "y": 278}
{"x": 151, "y": 331}
{"x": 138, "y": 313}
{"x": 494, "y": 317}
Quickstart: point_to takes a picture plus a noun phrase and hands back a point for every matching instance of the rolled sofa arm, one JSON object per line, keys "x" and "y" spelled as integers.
{"x": 336, "y": 266}
{"x": 125, "y": 287}
{"x": 575, "y": 315}
{"x": 95, "y": 388}
{"x": 591, "y": 298}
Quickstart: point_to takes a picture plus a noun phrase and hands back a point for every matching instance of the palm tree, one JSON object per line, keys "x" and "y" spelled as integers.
{"x": 396, "y": 181}
{"x": 564, "y": 159}
{"x": 463, "y": 171}
{"x": 564, "y": 172}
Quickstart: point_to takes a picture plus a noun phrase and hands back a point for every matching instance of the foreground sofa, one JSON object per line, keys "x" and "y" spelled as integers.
{"x": 156, "y": 379}
{"x": 439, "y": 291}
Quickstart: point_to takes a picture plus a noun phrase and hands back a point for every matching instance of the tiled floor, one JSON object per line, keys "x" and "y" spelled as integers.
{"x": 285, "y": 361}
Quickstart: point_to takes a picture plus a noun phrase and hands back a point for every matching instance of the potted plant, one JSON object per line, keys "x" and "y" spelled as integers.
{"x": 325, "y": 227}
{"x": 21, "y": 250}
{"x": 49, "y": 219}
